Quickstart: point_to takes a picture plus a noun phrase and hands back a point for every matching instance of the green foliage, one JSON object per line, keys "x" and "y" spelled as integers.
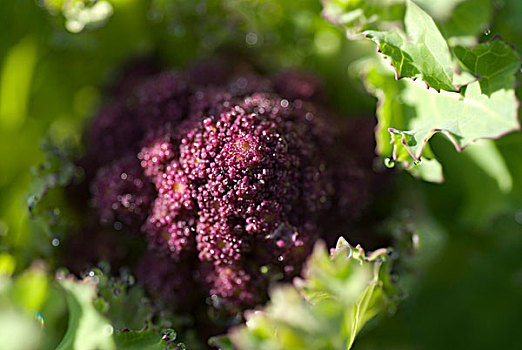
{"x": 420, "y": 52}
{"x": 461, "y": 264}
{"x": 87, "y": 328}
{"x": 142, "y": 340}
{"x": 102, "y": 313}
{"x": 460, "y": 107}
{"x": 493, "y": 63}
{"x": 326, "y": 309}
{"x": 468, "y": 20}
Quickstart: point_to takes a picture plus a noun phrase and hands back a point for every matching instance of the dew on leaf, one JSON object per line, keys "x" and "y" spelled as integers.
{"x": 169, "y": 335}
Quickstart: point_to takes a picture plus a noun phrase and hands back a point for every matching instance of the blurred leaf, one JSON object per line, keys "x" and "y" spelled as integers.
{"x": 142, "y": 340}
{"x": 327, "y": 308}
{"x": 488, "y": 158}
{"x": 222, "y": 342}
{"x": 358, "y": 16}
{"x": 7, "y": 264}
{"x": 15, "y": 83}
{"x": 18, "y": 331}
{"x": 440, "y": 10}
{"x": 20, "y": 298}
{"x": 469, "y": 19}
{"x": 31, "y": 287}
{"x": 87, "y": 328}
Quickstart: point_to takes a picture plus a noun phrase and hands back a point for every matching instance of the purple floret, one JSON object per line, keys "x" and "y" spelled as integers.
{"x": 298, "y": 85}
{"x": 172, "y": 281}
{"x": 121, "y": 193}
{"x": 121, "y": 126}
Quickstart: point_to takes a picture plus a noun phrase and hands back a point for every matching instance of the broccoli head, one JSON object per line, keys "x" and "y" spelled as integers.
{"x": 228, "y": 176}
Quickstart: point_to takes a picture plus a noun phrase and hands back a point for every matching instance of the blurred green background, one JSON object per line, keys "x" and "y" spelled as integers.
{"x": 57, "y": 61}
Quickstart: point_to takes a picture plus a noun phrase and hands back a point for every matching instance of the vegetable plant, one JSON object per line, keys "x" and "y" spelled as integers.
{"x": 335, "y": 174}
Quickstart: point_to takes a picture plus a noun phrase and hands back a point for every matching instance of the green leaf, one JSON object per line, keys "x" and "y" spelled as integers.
{"x": 412, "y": 42}
{"x": 412, "y": 114}
{"x": 463, "y": 118}
{"x": 222, "y": 342}
{"x": 409, "y": 113}
{"x": 125, "y": 304}
{"x": 139, "y": 340}
{"x": 357, "y": 16}
{"x": 486, "y": 155}
{"x": 467, "y": 20}
{"x": 87, "y": 328}
{"x": 494, "y": 63}
{"x": 420, "y": 52}
{"x": 327, "y": 308}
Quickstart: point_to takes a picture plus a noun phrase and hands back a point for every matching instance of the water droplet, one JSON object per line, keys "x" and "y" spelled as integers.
{"x": 487, "y": 32}
{"x": 131, "y": 280}
{"x": 389, "y": 162}
{"x": 280, "y": 258}
{"x": 55, "y": 242}
{"x": 61, "y": 273}
{"x": 284, "y": 103}
{"x": 251, "y": 38}
{"x": 117, "y": 225}
{"x": 108, "y": 330}
{"x": 169, "y": 335}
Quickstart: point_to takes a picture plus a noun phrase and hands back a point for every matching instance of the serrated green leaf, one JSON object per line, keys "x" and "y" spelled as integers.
{"x": 87, "y": 328}
{"x": 463, "y": 118}
{"x": 494, "y": 62}
{"x": 139, "y": 340}
{"x": 412, "y": 42}
{"x": 420, "y": 52}
{"x": 324, "y": 310}
{"x": 411, "y": 113}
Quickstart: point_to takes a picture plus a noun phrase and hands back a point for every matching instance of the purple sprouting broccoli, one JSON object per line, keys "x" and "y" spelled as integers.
{"x": 234, "y": 185}
{"x": 173, "y": 282}
{"x": 121, "y": 125}
{"x": 299, "y": 85}
{"x": 122, "y": 194}
{"x": 228, "y": 176}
